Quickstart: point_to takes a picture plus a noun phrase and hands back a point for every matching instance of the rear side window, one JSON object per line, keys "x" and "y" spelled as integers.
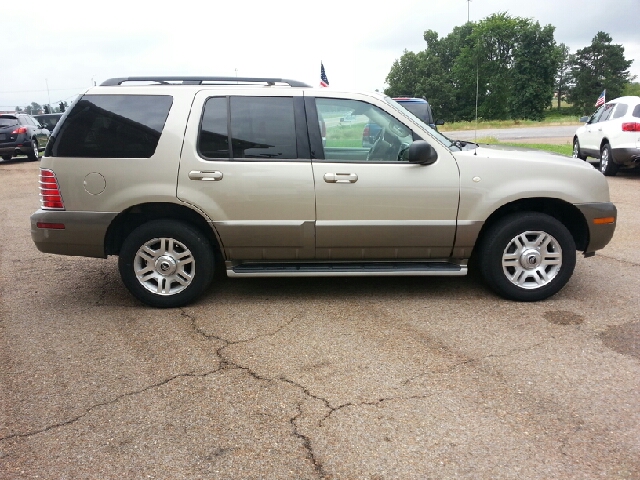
{"x": 420, "y": 110}
{"x": 112, "y": 126}
{"x": 621, "y": 110}
{"x": 636, "y": 111}
{"x": 248, "y": 128}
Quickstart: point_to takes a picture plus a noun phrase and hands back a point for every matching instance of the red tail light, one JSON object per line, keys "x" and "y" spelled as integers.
{"x": 20, "y": 130}
{"x": 631, "y": 127}
{"x": 50, "y": 197}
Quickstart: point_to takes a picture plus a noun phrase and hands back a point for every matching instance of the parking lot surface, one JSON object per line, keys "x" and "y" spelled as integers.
{"x": 354, "y": 378}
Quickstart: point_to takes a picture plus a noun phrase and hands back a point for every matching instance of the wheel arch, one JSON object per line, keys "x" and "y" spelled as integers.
{"x": 566, "y": 213}
{"x": 137, "y": 215}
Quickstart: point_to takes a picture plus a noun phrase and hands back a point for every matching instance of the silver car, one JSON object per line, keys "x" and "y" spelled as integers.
{"x": 174, "y": 174}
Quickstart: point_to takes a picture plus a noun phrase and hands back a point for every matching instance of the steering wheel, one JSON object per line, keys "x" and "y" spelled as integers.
{"x": 385, "y": 148}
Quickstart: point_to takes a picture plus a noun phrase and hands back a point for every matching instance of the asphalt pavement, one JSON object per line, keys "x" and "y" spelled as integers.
{"x": 376, "y": 378}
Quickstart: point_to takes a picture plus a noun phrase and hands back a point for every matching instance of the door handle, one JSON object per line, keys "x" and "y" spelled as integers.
{"x": 205, "y": 176}
{"x": 340, "y": 177}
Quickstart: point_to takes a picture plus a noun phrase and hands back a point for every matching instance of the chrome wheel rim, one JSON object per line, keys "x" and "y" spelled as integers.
{"x": 164, "y": 266}
{"x": 532, "y": 259}
{"x": 604, "y": 159}
{"x": 575, "y": 150}
{"x": 35, "y": 148}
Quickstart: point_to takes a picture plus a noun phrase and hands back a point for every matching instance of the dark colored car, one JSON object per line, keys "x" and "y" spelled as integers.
{"x": 421, "y": 109}
{"x": 48, "y": 120}
{"x": 21, "y": 134}
{"x": 418, "y": 106}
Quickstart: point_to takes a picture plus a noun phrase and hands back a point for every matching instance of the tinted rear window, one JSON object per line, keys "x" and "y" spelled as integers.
{"x": 8, "y": 121}
{"x": 636, "y": 111}
{"x": 254, "y": 127}
{"x": 112, "y": 126}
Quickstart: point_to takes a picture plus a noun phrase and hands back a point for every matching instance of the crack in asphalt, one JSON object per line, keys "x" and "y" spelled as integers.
{"x": 107, "y": 403}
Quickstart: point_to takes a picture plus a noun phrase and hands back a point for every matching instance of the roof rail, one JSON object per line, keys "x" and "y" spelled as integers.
{"x": 203, "y": 81}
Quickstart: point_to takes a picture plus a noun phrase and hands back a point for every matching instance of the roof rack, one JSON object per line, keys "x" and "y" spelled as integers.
{"x": 204, "y": 81}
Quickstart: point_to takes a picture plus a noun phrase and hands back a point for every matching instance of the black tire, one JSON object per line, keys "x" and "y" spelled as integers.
{"x": 33, "y": 153}
{"x": 576, "y": 150}
{"x": 177, "y": 258}
{"x": 7, "y": 157}
{"x": 527, "y": 256}
{"x": 607, "y": 166}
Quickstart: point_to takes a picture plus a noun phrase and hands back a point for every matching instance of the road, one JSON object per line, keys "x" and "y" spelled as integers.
{"x": 406, "y": 378}
{"x": 556, "y": 134}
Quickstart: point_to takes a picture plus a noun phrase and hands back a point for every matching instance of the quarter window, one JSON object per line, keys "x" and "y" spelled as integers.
{"x": 112, "y": 126}
{"x": 621, "y": 110}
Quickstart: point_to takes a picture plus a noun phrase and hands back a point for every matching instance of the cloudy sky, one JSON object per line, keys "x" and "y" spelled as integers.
{"x": 54, "y": 50}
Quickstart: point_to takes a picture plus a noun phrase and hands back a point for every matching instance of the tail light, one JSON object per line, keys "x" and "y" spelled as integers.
{"x": 50, "y": 197}
{"x": 631, "y": 127}
{"x": 20, "y": 130}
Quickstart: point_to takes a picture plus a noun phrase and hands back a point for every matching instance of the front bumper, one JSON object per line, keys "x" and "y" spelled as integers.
{"x": 83, "y": 233}
{"x": 600, "y": 227}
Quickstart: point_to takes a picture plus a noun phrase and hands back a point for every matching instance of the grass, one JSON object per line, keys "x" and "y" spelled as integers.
{"x": 482, "y": 124}
{"x": 566, "y": 150}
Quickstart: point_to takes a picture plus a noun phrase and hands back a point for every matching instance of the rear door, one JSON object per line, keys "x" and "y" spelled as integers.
{"x": 246, "y": 165}
{"x": 370, "y": 204}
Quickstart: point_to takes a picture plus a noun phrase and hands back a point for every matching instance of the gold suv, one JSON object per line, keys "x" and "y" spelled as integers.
{"x": 174, "y": 174}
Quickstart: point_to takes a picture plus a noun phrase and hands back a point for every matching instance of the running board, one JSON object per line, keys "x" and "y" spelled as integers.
{"x": 344, "y": 269}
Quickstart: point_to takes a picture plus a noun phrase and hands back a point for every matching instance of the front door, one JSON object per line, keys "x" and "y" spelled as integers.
{"x": 370, "y": 204}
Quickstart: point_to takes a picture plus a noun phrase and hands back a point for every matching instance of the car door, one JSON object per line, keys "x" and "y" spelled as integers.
{"x": 370, "y": 204}
{"x": 593, "y": 132}
{"x": 246, "y": 164}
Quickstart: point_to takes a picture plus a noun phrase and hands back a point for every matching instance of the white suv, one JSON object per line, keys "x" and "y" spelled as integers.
{"x": 176, "y": 175}
{"x": 611, "y": 134}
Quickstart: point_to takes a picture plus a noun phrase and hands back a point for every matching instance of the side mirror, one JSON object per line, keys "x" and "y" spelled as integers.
{"x": 439, "y": 122}
{"x": 422, "y": 153}
{"x": 584, "y": 119}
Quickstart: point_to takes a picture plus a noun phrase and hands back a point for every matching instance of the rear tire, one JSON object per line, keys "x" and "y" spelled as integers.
{"x": 166, "y": 263}
{"x": 33, "y": 154}
{"x": 607, "y": 166}
{"x": 527, "y": 256}
{"x": 7, "y": 157}
{"x": 576, "y": 150}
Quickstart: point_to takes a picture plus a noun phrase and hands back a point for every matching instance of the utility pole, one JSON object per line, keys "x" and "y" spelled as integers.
{"x": 48, "y": 94}
{"x": 468, "y": 3}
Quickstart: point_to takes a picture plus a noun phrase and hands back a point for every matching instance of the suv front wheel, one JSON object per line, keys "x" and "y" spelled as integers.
{"x": 527, "y": 256}
{"x": 166, "y": 263}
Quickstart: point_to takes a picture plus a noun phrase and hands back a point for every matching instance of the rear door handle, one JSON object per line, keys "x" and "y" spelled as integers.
{"x": 207, "y": 176}
{"x": 340, "y": 177}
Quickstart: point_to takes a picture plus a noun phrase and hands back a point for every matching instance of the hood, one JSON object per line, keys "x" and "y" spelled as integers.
{"x": 519, "y": 154}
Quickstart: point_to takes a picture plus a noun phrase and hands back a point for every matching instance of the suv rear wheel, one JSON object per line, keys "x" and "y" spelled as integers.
{"x": 166, "y": 263}
{"x": 607, "y": 165}
{"x": 527, "y": 256}
{"x": 33, "y": 154}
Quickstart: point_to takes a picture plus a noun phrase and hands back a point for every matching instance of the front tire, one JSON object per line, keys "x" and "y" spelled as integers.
{"x": 33, "y": 154}
{"x": 527, "y": 256}
{"x": 576, "y": 150}
{"x": 607, "y": 165}
{"x": 166, "y": 263}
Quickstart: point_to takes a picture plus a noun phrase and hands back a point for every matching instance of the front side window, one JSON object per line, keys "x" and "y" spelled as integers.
{"x": 112, "y": 126}
{"x": 256, "y": 128}
{"x": 358, "y": 131}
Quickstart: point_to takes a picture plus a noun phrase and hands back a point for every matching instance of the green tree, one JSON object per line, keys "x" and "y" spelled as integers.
{"x": 600, "y": 66}
{"x": 632, "y": 89}
{"x": 563, "y": 75}
{"x": 507, "y": 64}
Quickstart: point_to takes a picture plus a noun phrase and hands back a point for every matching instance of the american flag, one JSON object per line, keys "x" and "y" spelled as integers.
{"x": 324, "y": 81}
{"x": 601, "y": 100}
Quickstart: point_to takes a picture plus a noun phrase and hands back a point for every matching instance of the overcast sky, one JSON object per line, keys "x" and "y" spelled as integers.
{"x": 54, "y": 50}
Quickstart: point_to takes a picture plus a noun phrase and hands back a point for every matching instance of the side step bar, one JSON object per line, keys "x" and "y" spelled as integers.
{"x": 344, "y": 269}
